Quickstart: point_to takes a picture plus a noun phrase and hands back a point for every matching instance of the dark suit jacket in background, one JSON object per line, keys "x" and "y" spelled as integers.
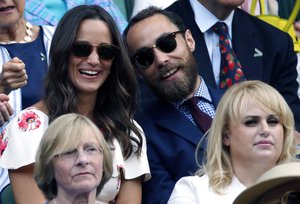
{"x": 171, "y": 143}
{"x": 277, "y": 66}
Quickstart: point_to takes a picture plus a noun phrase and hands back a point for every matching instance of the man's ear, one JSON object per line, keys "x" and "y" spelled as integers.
{"x": 189, "y": 40}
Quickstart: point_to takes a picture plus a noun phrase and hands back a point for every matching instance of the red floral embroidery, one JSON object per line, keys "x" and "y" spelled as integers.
{"x": 29, "y": 121}
{"x": 3, "y": 143}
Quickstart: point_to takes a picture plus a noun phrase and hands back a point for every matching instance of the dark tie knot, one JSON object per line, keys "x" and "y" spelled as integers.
{"x": 201, "y": 119}
{"x": 192, "y": 101}
{"x": 220, "y": 28}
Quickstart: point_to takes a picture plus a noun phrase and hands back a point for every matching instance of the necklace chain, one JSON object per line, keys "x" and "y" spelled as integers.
{"x": 27, "y": 38}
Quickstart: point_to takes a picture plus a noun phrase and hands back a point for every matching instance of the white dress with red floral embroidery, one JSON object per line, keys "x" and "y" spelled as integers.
{"x": 20, "y": 140}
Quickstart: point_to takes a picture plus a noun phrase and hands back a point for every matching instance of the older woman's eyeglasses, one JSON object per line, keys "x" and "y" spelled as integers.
{"x": 145, "y": 57}
{"x": 89, "y": 151}
{"x": 84, "y": 49}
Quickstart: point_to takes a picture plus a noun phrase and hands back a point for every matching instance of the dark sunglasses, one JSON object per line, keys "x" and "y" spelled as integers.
{"x": 145, "y": 57}
{"x": 84, "y": 49}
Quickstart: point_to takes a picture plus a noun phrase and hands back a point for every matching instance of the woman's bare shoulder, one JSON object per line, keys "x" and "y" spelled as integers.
{"x": 41, "y": 105}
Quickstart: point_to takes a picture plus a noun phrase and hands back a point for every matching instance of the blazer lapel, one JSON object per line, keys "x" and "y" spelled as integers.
{"x": 216, "y": 95}
{"x": 247, "y": 46}
{"x": 167, "y": 117}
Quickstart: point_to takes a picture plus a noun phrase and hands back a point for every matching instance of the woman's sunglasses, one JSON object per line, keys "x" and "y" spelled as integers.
{"x": 145, "y": 57}
{"x": 84, "y": 49}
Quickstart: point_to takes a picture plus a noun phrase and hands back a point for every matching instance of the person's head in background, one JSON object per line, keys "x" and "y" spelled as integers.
{"x": 253, "y": 127}
{"x": 73, "y": 160}
{"x": 88, "y": 59}
{"x": 161, "y": 49}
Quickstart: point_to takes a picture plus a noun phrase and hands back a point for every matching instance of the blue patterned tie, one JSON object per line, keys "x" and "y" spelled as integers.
{"x": 231, "y": 69}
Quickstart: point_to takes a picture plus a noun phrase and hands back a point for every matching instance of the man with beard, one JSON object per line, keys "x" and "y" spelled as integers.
{"x": 264, "y": 52}
{"x": 161, "y": 51}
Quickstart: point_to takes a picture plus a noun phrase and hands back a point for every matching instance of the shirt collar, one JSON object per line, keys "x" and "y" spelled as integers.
{"x": 210, "y": 19}
{"x": 202, "y": 92}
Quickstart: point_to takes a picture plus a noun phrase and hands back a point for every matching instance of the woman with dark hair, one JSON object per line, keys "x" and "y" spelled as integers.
{"x": 90, "y": 74}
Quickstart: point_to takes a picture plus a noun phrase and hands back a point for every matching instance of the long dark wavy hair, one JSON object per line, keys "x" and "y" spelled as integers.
{"x": 116, "y": 99}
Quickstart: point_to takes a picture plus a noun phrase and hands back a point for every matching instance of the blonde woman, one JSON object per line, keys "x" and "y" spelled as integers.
{"x": 252, "y": 131}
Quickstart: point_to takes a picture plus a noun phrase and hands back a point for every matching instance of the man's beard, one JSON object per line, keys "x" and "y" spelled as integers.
{"x": 179, "y": 89}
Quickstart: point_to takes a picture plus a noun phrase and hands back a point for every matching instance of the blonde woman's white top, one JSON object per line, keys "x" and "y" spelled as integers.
{"x": 196, "y": 190}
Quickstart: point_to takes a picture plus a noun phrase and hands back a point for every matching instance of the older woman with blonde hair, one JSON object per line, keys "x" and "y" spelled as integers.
{"x": 252, "y": 131}
{"x": 73, "y": 161}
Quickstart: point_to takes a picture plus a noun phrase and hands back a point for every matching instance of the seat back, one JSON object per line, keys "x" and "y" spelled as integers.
{"x": 7, "y": 196}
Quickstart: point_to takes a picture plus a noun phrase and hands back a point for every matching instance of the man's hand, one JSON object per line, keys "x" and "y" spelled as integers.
{"x": 13, "y": 75}
{"x": 5, "y": 109}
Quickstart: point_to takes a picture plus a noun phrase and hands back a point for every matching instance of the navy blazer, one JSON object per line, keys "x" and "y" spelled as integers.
{"x": 171, "y": 143}
{"x": 276, "y": 66}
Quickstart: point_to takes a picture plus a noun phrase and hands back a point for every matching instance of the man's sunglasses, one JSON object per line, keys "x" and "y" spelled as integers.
{"x": 84, "y": 49}
{"x": 145, "y": 57}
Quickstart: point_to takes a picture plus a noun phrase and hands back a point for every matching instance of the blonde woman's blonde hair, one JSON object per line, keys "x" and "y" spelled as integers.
{"x": 232, "y": 107}
{"x": 63, "y": 135}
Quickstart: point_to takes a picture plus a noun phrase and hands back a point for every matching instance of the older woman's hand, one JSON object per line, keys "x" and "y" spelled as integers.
{"x": 13, "y": 75}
